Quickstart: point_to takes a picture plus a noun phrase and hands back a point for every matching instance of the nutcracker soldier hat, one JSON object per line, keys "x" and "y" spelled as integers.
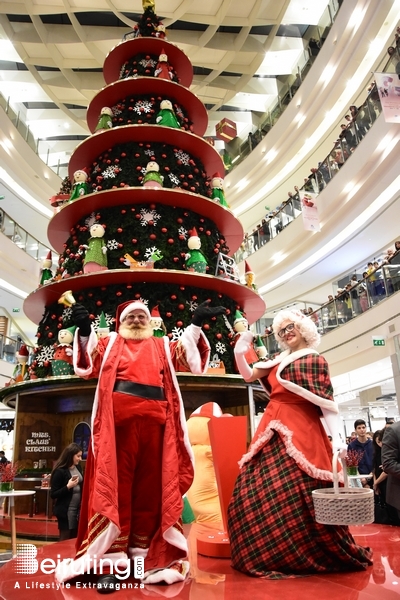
{"x": 103, "y": 321}
{"x": 155, "y": 313}
{"x": 124, "y": 309}
{"x": 71, "y": 330}
{"x": 208, "y": 410}
{"x": 247, "y": 268}
{"x": 259, "y": 342}
{"x": 23, "y": 351}
{"x": 239, "y": 317}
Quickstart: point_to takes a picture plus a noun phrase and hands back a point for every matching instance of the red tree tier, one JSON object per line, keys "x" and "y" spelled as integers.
{"x": 146, "y": 173}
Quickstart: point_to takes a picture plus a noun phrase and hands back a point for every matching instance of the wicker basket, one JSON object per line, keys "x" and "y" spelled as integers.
{"x": 343, "y": 506}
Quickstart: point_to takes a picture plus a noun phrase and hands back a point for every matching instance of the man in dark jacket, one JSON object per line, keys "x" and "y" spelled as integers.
{"x": 362, "y": 444}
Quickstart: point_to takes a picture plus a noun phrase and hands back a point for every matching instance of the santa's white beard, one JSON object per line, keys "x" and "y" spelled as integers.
{"x": 135, "y": 332}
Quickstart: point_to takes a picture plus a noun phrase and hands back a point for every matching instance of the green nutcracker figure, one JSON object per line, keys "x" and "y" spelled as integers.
{"x": 46, "y": 275}
{"x": 167, "y": 116}
{"x": 105, "y": 119}
{"x": 80, "y": 187}
{"x": 153, "y": 178}
{"x": 217, "y": 186}
{"x": 96, "y": 251}
{"x": 157, "y": 323}
{"x": 195, "y": 259}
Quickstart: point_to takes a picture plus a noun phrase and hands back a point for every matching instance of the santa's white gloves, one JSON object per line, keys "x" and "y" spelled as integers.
{"x": 332, "y": 423}
{"x": 242, "y": 346}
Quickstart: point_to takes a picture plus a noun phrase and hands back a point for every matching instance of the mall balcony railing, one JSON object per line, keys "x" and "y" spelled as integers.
{"x": 291, "y": 208}
{"x": 352, "y": 302}
{"x": 22, "y": 238}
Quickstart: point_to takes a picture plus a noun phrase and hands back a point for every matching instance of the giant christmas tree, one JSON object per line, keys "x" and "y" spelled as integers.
{"x": 148, "y": 174}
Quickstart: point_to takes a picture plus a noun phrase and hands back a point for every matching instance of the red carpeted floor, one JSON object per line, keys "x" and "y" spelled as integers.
{"x": 214, "y": 579}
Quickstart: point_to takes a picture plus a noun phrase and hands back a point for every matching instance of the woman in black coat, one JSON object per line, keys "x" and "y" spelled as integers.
{"x": 65, "y": 488}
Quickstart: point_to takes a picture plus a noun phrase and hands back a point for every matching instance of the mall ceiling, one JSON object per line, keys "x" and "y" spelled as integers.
{"x": 52, "y": 53}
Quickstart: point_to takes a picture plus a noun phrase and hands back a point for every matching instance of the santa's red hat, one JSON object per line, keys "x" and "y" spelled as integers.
{"x": 193, "y": 232}
{"x": 155, "y": 313}
{"x": 247, "y": 268}
{"x": 49, "y": 257}
{"x": 124, "y": 309}
{"x": 217, "y": 175}
{"x": 211, "y": 409}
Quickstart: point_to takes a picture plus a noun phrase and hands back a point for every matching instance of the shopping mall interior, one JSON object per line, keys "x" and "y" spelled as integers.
{"x": 277, "y": 79}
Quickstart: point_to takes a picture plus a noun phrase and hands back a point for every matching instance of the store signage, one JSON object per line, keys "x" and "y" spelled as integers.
{"x": 378, "y": 341}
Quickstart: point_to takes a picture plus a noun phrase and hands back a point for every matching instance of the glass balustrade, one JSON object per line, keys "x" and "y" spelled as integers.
{"x": 352, "y": 302}
{"x": 22, "y": 238}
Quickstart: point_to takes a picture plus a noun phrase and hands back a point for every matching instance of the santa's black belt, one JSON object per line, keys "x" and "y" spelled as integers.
{"x": 149, "y": 392}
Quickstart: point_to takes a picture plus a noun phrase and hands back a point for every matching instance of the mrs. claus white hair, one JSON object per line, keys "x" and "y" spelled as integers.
{"x": 305, "y": 325}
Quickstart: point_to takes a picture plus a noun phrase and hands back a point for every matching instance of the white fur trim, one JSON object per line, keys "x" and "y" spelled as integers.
{"x": 134, "y": 306}
{"x": 167, "y": 575}
{"x": 189, "y": 340}
{"x": 69, "y": 568}
{"x": 287, "y": 437}
{"x": 88, "y": 347}
{"x": 182, "y": 416}
{"x": 143, "y": 552}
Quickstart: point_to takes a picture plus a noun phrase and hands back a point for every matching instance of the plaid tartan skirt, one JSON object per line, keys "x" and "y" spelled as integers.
{"x": 272, "y": 527}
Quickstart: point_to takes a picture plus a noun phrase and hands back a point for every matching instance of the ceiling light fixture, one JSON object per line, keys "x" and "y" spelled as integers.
{"x": 11, "y": 288}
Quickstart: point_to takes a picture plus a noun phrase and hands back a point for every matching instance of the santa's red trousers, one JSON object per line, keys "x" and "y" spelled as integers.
{"x": 139, "y": 432}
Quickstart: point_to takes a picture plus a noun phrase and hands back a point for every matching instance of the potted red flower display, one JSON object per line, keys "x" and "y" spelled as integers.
{"x": 7, "y": 473}
{"x": 353, "y": 458}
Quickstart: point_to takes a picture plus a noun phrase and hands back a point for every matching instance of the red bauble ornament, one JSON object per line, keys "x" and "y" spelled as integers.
{"x": 152, "y": 207}
{"x": 206, "y": 326}
{"x": 167, "y": 169}
{"x": 181, "y": 237}
{"x": 99, "y": 303}
{"x": 168, "y": 315}
{"x": 136, "y": 253}
{"x": 137, "y": 216}
{"x": 121, "y": 260}
{"x": 120, "y": 230}
{"x": 218, "y": 336}
{"x": 50, "y": 334}
{"x": 164, "y": 230}
{"x": 118, "y": 294}
{"x": 208, "y": 232}
{"x": 137, "y": 296}
{"x": 179, "y": 324}
{"x": 134, "y": 241}
{"x": 153, "y": 236}
{"x": 179, "y": 220}
{"x": 138, "y": 168}
{"x": 176, "y": 259}
{"x": 181, "y": 306}
{"x": 173, "y": 297}
{"x": 123, "y": 154}
{"x": 46, "y": 363}
{"x": 170, "y": 241}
